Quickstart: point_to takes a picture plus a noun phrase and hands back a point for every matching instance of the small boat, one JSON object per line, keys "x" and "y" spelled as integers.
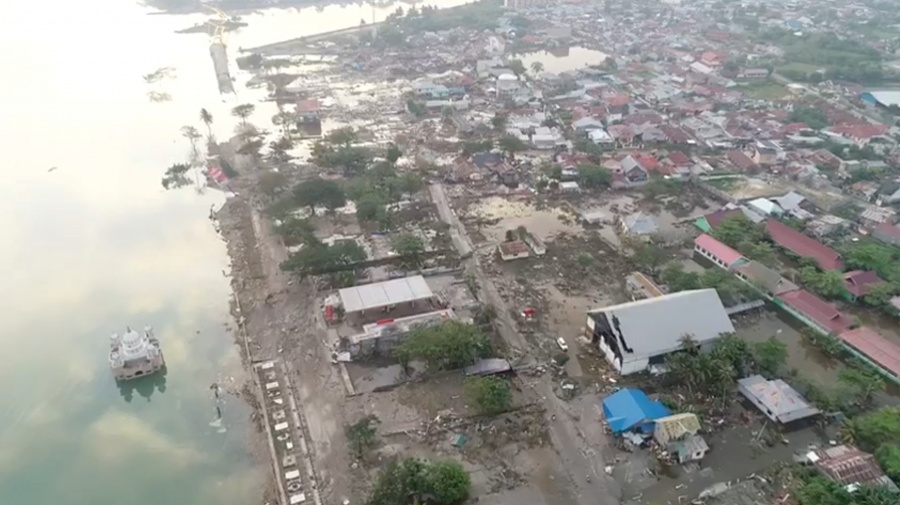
{"x": 133, "y": 355}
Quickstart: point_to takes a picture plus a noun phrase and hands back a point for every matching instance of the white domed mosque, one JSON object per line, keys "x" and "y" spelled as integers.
{"x": 134, "y": 355}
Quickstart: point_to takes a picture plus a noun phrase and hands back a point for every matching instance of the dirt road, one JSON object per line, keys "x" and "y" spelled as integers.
{"x": 590, "y": 484}
{"x": 282, "y": 319}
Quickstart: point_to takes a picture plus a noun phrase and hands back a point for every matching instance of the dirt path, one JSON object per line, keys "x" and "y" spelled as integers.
{"x": 282, "y": 319}
{"x": 590, "y": 484}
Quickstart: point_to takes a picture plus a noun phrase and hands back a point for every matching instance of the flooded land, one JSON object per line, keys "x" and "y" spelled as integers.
{"x": 383, "y": 242}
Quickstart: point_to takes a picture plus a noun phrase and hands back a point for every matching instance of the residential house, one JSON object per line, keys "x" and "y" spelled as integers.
{"x": 860, "y": 134}
{"x": 874, "y": 216}
{"x": 710, "y": 221}
{"x": 429, "y": 89}
{"x": 801, "y": 245}
{"x": 633, "y": 171}
{"x": 793, "y": 204}
{"x": 640, "y": 286}
{"x": 815, "y": 312}
{"x": 859, "y": 282}
{"x": 639, "y": 225}
{"x": 679, "y": 434}
{"x": 586, "y": 124}
{"x": 636, "y": 335}
{"x": 632, "y": 410}
{"x": 849, "y": 466}
{"x": 866, "y": 344}
{"x": 718, "y": 253}
{"x": 776, "y": 399}
{"x": 601, "y": 137}
{"x": 675, "y": 135}
{"x": 741, "y": 161}
{"x": 513, "y": 250}
{"x": 652, "y": 135}
{"x": 755, "y": 73}
{"x": 679, "y": 159}
{"x": 546, "y": 138}
{"x": 770, "y": 282}
{"x": 765, "y": 207}
{"x": 764, "y": 152}
{"x": 713, "y": 58}
{"x": 887, "y": 233}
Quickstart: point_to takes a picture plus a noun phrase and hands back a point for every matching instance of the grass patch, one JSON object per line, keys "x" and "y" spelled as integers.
{"x": 724, "y": 184}
{"x": 764, "y": 90}
{"x": 796, "y": 66}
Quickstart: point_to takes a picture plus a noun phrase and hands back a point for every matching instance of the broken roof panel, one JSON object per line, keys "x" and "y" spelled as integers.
{"x": 382, "y": 294}
{"x": 846, "y": 464}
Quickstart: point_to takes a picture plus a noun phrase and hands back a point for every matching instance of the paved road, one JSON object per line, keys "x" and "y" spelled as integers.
{"x": 591, "y": 486}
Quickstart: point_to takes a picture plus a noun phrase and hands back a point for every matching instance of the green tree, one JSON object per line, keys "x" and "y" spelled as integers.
{"x": 871, "y": 430}
{"x": 207, "y": 119}
{"x": 880, "y": 294}
{"x": 490, "y": 394}
{"x": 734, "y": 350}
{"x": 736, "y": 229}
{"x": 473, "y": 147}
{"x": 537, "y": 67}
{"x": 361, "y": 435}
{"x": 448, "y": 482}
{"x": 393, "y": 153}
{"x": 271, "y": 183}
{"x": 762, "y": 252}
{"x": 446, "y": 347}
{"x": 677, "y": 279}
{"x": 295, "y": 231}
{"x": 318, "y": 191}
{"x": 510, "y": 144}
{"x": 593, "y": 176}
{"x": 517, "y": 66}
{"x": 860, "y": 385}
{"x": 648, "y": 257}
{"x": 499, "y": 121}
{"x": 811, "y": 116}
{"x": 410, "y": 249}
{"x": 828, "y": 284}
{"x": 585, "y": 260}
{"x": 243, "y": 111}
{"x": 888, "y": 456}
{"x": 413, "y": 482}
{"x": 344, "y": 136}
{"x": 770, "y": 355}
{"x": 338, "y": 261}
{"x": 408, "y": 183}
{"x": 176, "y": 176}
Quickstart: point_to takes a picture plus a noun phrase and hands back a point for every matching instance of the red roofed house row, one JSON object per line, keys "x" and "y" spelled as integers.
{"x": 723, "y": 256}
{"x": 802, "y": 245}
{"x": 868, "y": 345}
{"x": 815, "y": 311}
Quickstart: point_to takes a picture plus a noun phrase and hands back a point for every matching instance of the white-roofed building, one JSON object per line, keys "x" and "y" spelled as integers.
{"x": 408, "y": 294}
{"x": 637, "y": 335}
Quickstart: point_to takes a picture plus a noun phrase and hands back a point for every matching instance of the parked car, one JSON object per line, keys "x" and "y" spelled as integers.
{"x": 562, "y": 344}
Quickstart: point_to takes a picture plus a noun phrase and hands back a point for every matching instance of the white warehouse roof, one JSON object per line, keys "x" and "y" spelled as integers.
{"x": 382, "y": 294}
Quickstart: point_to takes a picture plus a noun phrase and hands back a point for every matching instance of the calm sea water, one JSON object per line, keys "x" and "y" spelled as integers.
{"x": 96, "y": 244}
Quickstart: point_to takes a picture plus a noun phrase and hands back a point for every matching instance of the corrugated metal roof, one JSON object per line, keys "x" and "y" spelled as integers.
{"x": 382, "y": 294}
{"x": 779, "y": 401}
{"x": 721, "y": 251}
{"x": 801, "y": 245}
{"x": 817, "y": 309}
{"x": 628, "y": 408}
{"x": 877, "y": 348}
{"x": 655, "y": 325}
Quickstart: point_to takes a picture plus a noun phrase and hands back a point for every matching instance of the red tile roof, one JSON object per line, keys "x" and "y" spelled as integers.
{"x": 877, "y": 348}
{"x": 716, "y": 218}
{"x": 721, "y": 251}
{"x": 307, "y": 105}
{"x": 679, "y": 159}
{"x": 817, "y": 309}
{"x": 859, "y": 282}
{"x": 888, "y": 229}
{"x": 741, "y": 160}
{"x": 674, "y": 134}
{"x": 802, "y": 245}
{"x": 860, "y": 131}
{"x": 647, "y": 161}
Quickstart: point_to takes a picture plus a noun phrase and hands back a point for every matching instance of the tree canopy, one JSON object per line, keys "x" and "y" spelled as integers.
{"x": 337, "y": 260}
{"x": 811, "y": 116}
{"x": 593, "y": 176}
{"x": 319, "y": 192}
{"x": 510, "y": 144}
{"x": 448, "y": 346}
{"x": 490, "y": 394}
{"x": 414, "y": 481}
{"x": 737, "y": 229}
{"x": 410, "y": 249}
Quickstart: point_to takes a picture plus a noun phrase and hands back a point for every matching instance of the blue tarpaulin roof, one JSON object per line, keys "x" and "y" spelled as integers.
{"x": 628, "y": 408}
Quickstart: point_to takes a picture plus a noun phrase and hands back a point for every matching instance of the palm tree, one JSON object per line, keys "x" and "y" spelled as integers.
{"x": 243, "y": 111}
{"x": 191, "y": 133}
{"x": 207, "y": 119}
{"x": 537, "y": 67}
